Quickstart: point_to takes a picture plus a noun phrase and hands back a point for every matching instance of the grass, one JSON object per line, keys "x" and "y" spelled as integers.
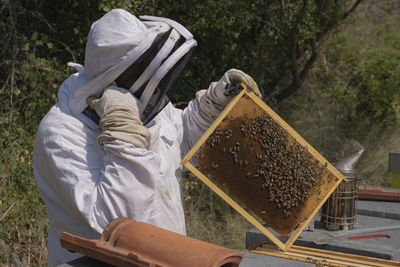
{"x": 23, "y": 231}
{"x": 210, "y": 219}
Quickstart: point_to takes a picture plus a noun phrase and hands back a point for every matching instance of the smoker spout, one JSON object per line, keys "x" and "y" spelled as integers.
{"x": 349, "y": 163}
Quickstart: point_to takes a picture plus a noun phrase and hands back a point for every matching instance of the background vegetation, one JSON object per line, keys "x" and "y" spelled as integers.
{"x": 329, "y": 68}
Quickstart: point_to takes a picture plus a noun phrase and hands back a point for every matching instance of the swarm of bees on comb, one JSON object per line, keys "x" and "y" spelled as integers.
{"x": 282, "y": 167}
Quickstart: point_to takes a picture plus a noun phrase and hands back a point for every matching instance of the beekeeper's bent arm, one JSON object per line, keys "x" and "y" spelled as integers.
{"x": 85, "y": 186}
{"x": 80, "y": 180}
{"x": 119, "y": 117}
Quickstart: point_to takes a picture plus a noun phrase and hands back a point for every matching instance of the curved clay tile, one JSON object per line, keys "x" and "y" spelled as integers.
{"x": 125, "y": 242}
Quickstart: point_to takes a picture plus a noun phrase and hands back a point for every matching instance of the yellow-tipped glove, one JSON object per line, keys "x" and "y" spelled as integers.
{"x": 213, "y": 100}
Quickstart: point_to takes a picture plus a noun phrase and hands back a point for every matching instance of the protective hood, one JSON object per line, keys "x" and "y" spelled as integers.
{"x": 155, "y": 50}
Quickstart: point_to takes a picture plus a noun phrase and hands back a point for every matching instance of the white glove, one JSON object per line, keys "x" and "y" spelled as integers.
{"x": 119, "y": 117}
{"x": 213, "y": 100}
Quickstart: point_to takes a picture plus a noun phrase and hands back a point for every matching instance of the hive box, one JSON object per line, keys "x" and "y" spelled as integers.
{"x": 394, "y": 168}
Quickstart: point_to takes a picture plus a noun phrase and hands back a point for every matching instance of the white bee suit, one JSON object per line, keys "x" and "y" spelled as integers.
{"x": 84, "y": 185}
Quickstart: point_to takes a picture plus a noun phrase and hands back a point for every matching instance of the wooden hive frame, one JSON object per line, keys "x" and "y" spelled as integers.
{"x": 296, "y": 232}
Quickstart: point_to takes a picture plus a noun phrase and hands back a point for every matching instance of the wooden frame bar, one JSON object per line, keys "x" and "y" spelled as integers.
{"x": 305, "y": 254}
{"x": 295, "y": 234}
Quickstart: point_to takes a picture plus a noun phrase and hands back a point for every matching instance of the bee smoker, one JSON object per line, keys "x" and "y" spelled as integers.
{"x": 340, "y": 209}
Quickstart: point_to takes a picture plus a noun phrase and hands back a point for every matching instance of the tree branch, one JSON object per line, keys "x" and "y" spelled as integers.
{"x": 14, "y": 56}
{"x": 296, "y": 84}
{"x": 5, "y": 84}
{"x": 310, "y": 61}
{"x": 68, "y": 49}
{"x": 351, "y": 10}
{"x": 295, "y": 39}
{"x": 299, "y": 78}
{"x": 293, "y": 55}
{"x": 283, "y": 9}
{"x": 295, "y": 74}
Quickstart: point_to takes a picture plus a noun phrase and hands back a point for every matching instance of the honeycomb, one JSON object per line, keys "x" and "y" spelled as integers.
{"x": 256, "y": 159}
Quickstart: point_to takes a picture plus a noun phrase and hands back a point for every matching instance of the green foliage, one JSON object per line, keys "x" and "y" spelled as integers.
{"x": 378, "y": 84}
{"x": 352, "y": 94}
{"x": 368, "y": 82}
{"x": 211, "y": 219}
{"x": 271, "y": 40}
{"x": 24, "y": 226}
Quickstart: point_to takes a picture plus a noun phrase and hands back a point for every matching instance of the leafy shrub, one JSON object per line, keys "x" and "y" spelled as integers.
{"x": 352, "y": 93}
{"x": 377, "y": 85}
{"x": 39, "y": 37}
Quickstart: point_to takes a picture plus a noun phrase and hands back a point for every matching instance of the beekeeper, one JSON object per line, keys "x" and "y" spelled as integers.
{"x": 111, "y": 146}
